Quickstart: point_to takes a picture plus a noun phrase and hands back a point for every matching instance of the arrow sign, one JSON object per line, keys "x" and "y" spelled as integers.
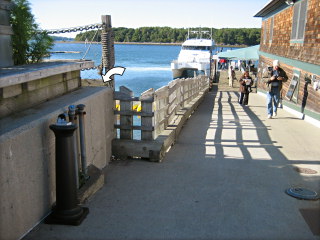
{"x": 115, "y": 70}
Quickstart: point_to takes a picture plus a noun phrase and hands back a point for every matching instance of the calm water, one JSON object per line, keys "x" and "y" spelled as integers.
{"x": 147, "y": 66}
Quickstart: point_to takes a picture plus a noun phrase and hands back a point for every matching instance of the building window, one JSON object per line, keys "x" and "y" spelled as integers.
{"x": 268, "y": 30}
{"x": 265, "y": 25}
{"x": 271, "y": 30}
{"x": 293, "y": 90}
{"x": 299, "y": 20}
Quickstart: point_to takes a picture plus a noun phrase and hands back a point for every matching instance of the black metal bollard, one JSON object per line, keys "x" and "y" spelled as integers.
{"x": 67, "y": 211}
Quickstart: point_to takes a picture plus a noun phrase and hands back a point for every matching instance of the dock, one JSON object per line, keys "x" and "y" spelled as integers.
{"x": 65, "y": 52}
{"x": 225, "y": 178}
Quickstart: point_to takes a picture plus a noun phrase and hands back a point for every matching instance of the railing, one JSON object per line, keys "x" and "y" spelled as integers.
{"x": 162, "y": 113}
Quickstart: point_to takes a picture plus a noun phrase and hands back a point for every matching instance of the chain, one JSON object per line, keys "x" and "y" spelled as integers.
{"x": 95, "y": 67}
{"x": 74, "y": 29}
{"x": 107, "y": 39}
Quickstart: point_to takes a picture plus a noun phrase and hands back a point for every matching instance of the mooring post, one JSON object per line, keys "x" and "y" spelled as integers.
{"x": 107, "y": 42}
{"x": 67, "y": 211}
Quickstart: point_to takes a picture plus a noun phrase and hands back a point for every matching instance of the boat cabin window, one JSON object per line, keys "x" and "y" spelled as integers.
{"x": 203, "y": 48}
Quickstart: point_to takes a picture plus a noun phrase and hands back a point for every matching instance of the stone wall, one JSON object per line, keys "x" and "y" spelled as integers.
{"x": 5, "y": 34}
{"x": 22, "y": 96}
{"x": 22, "y": 87}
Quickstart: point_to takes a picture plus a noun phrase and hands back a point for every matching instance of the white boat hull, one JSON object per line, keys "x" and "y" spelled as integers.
{"x": 194, "y": 58}
{"x": 179, "y": 69}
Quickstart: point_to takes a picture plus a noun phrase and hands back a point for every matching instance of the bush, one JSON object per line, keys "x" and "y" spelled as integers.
{"x": 29, "y": 43}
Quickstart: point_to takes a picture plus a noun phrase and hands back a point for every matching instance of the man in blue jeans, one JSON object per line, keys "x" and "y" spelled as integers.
{"x": 278, "y": 75}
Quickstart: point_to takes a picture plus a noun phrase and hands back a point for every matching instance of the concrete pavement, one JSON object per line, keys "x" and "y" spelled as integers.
{"x": 223, "y": 179}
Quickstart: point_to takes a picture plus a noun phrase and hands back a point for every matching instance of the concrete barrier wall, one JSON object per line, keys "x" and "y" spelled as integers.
{"x": 27, "y": 149}
{"x": 22, "y": 87}
{"x": 21, "y": 96}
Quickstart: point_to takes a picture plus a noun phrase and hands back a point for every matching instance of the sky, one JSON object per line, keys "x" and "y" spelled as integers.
{"x": 56, "y": 14}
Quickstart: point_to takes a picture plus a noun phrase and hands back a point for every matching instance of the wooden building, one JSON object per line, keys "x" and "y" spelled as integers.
{"x": 291, "y": 34}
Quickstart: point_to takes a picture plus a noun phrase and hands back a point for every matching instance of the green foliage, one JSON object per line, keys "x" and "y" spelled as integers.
{"x": 28, "y": 42}
{"x": 232, "y": 36}
{"x": 89, "y": 36}
{"x": 40, "y": 45}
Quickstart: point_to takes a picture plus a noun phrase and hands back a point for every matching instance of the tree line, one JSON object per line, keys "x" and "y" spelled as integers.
{"x": 232, "y": 36}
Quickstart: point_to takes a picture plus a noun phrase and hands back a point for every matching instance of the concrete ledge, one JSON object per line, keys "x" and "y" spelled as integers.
{"x": 27, "y": 153}
{"x": 123, "y": 149}
{"x": 11, "y": 91}
{"x": 94, "y": 184}
{"x": 25, "y": 73}
{"x": 22, "y": 87}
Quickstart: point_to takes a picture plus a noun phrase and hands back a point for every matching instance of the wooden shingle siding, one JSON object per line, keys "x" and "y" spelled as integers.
{"x": 309, "y": 49}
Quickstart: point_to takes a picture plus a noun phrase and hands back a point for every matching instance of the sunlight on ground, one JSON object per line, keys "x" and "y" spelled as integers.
{"x": 233, "y": 132}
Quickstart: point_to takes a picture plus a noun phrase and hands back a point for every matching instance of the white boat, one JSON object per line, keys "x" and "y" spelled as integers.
{"x": 194, "y": 57}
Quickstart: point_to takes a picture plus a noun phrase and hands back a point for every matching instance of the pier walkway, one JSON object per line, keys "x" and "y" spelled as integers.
{"x": 225, "y": 178}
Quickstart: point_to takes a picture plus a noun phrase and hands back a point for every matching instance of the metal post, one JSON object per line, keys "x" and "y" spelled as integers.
{"x": 72, "y": 119}
{"x": 81, "y": 112}
{"x": 67, "y": 211}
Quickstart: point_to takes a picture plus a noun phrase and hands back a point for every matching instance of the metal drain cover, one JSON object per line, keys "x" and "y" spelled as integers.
{"x": 302, "y": 193}
{"x": 305, "y": 170}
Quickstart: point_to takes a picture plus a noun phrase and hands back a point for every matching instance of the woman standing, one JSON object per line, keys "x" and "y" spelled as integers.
{"x": 245, "y": 84}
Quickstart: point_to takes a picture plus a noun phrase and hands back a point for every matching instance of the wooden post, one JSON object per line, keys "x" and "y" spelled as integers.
{"x": 146, "y": 99}
{"x": 126, "y": 120}
{"x": 161, "y": 97}
{"x": 182, "y": 96}
{"x": 178, "y": 96}
{"x": 107, "y": 42}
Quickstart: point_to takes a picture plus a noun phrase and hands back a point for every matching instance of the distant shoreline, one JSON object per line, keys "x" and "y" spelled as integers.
{"x": 150, "y": 43}
{"x": 124, "y": 43}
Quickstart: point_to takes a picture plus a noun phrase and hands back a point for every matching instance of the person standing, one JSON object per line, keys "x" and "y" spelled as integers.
{"x": 274, "y": 83}
{"x": 243, "y": 66}
{"x": 231, "y": 75}
{"x": 245, "y": 82}
{"x": 223, "y": 64}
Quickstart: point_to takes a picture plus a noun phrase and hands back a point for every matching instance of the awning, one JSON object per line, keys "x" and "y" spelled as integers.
{"x": 249, "y": 53}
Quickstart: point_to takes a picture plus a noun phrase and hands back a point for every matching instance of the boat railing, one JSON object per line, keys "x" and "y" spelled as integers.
{"x": 199, "y": 33}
